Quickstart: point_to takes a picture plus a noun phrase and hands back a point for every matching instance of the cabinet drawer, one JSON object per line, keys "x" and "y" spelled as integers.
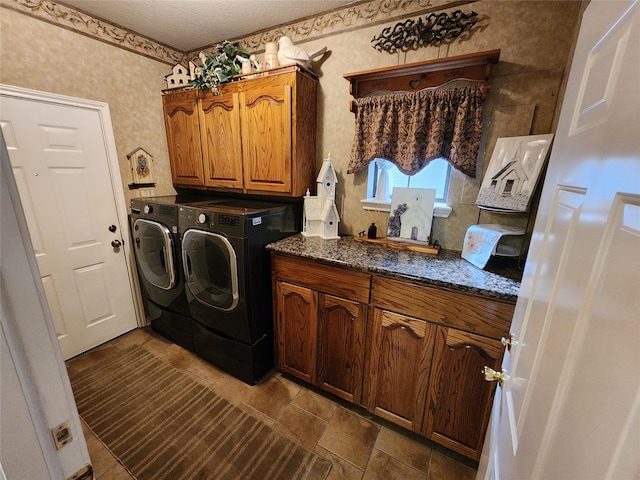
{"x": 491, "y": 318}
{"x": 342, "y": 282}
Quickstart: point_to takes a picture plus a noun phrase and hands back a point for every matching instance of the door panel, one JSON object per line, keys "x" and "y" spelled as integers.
{"x": 29, "y": 209}
{"x": 563, "y": 221}
{"x": 266, "y": 138}
{"x": 571, "y": 400}
{"x": 340, "y": 362}
{"x": 399, "y": 366}
{"x": 221, "y": 145}
{"x": 183, "y": 137}
{"x": 457, "y": 409}
{"x": 59, "y": 157}
{"x": 54, "y": 306}
{"x": 297, "y": 324}
{"x": 70, "y": 189}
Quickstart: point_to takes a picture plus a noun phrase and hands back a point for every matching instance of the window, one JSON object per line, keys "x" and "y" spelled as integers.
{"x": 435, "y": 175}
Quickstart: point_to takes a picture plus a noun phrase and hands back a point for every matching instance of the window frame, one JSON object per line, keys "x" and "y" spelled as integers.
{"x": 441, "y": 207}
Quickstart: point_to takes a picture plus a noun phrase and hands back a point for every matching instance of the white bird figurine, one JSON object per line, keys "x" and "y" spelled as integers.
{"x": 289, "y": 53}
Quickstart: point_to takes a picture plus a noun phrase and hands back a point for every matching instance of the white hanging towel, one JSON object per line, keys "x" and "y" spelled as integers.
{"x": 480, "y": 242}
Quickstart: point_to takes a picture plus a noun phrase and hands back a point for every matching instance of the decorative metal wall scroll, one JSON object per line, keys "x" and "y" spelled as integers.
{"x": 435, "y": 28}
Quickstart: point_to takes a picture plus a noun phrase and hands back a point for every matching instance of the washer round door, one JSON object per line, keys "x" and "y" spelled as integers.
{"x": 154, "y": 252}
{"x": 210, "y": 269}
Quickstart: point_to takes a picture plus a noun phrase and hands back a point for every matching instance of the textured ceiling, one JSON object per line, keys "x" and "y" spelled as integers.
{"x": 188, "y": 25}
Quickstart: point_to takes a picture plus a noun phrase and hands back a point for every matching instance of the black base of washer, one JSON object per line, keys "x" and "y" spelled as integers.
{"x": 248, "y": 363}
{"x": 172, "y": 326}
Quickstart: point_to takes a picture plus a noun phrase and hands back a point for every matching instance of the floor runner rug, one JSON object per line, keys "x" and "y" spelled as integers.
{"x": 162, "y": 424}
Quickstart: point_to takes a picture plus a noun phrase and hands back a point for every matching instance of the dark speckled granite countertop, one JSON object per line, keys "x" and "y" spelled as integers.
{"x": 447, "y": 269}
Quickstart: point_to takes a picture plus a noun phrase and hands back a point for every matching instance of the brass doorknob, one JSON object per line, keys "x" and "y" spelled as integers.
{"x": 116, "y": 243}
{"x": 509, "y": 342}
{"x": 490, "y": 375}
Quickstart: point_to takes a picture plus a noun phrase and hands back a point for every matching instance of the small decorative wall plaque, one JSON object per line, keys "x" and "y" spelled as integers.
{"x": 141, "y": 163}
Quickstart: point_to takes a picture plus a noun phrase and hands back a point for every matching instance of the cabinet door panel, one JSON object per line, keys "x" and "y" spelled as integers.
{"x": 341, "y": 328}
{"x": 296, "y": 330}
{"x": 183, "y": 138}
{"x": 222, "y": 150}
{"x": 399, "y": 367}
{"x": 459, "y": 397}
{"x": 266, "y": 138}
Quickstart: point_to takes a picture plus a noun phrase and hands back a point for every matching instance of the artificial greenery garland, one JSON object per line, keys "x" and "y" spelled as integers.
{"x": 220, "y": 68}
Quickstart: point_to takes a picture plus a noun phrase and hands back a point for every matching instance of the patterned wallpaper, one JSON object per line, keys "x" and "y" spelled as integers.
{"x": 535, "y": 37}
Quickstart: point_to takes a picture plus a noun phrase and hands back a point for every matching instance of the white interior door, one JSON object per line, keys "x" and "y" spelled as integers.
{"x": 570, "y": 404}
{"x": 59, "y": 157}
{"x": 35, "y": 393}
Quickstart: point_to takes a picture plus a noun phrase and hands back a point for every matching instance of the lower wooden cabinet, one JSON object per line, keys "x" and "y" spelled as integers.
{"x": 319, "y": 334}
{"x": 296, "y": 326}
{"x": 409, "y": 353}
{"x": 459, "y": 401}
{"x": 399, "y": 363}
{"x": 340, "y": 350}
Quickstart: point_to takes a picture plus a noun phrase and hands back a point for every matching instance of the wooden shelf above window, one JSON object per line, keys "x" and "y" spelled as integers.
{"x": 416, "y": 76}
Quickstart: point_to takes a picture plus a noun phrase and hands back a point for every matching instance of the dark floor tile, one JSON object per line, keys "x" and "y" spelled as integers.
{"x": 301, "y": 426}
{"x": 385, "y": 467}
{"x": 350, "y": 436}
{"x": 404, "y": 449}
{"x": 442, "y": 467}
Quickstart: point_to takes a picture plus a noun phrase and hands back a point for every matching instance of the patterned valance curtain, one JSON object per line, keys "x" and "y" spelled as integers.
{"x": 411, "y": 129}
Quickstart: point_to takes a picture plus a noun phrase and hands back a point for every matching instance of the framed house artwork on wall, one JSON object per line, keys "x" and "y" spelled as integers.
{"x": 513, "y": 173}
{"x": 411, "y": 214}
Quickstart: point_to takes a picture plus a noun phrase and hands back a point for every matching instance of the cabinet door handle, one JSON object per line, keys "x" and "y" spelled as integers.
{"x": 490, "y": 375}
{"x": 509, "y": 342}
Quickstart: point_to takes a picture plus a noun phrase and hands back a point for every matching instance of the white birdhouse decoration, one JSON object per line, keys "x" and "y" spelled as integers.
{"x": 320, "y": 215}
{"x": 178, "y": 78}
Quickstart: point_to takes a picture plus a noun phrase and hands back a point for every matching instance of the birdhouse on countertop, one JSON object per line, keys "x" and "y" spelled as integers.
{"x": 320, "y": 215}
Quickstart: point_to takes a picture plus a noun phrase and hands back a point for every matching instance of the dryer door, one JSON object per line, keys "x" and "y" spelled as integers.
{"x": 154, "y": 252}
{"x": 211, "y": 269}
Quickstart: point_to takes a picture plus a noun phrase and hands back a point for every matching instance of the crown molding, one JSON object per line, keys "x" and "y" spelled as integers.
{"x": 77, "y": 21}
{"x": 353, "y": 17}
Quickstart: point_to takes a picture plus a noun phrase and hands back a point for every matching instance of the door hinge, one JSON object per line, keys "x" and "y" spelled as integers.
{"x": 85, "y": 473}
{"x": 61, "y": 435}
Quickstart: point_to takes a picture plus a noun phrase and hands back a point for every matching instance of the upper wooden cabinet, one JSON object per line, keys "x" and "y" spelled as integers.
{"x": 267, "y": 117}
{"x": 258, "y": 136}
{"x": 183, "y": 137}
{"x": 221, "y": 143}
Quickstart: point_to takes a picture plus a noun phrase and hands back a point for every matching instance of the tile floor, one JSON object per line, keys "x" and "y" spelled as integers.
{"x": 360, "y": 446}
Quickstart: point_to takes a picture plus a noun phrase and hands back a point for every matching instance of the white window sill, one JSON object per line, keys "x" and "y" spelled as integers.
{"x": 441, "y": 210}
